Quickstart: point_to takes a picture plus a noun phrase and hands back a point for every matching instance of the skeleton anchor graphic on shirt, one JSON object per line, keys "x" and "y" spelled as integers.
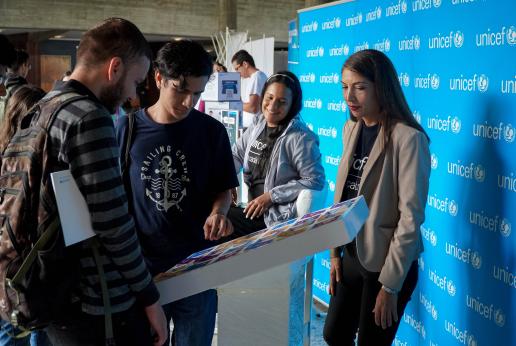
{"x": 165, "y": 174}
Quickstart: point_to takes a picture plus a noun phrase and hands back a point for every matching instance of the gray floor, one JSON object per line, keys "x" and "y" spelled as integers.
{"x": 316, "y": 330}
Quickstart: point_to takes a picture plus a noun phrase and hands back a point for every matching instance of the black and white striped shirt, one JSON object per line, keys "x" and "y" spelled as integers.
{"x": 83, "y": 138}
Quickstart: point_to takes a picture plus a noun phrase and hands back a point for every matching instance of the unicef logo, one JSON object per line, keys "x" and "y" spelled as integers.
{"x": 434, "y": 313}
{"x": 319, "y": 104}
{"x": 379, "y": 12}
{"x": 499, "y": 318}
{"x": 310, "y": 126}
{"x": 455, "y": 125}
{"x": 334, "y": 132}
{"x": 483, "y": 83}
{"x": 315, "y": 25}
{"x": 509, "y": 133}
{"x": 417, "y": 42}
{"x": 335, "y": 78}
{"x": 505, "y": 227}
{"x": 476, "y": 260}
{"x": 435, "y": 81}
{"x": 433, "y": 238}
{"x": 337, "y": 22}
{"x": 343, "y": 106}
{"x": 387, "y": 45}
{"x": 406, "y": 80}
{"x": 437, "y": 3}
{"x": 472, "y": 341}
{"x": 434, "y": 161}
{"x": 312, "y": 77}
{"x": 480, "y": 173}
{"x": 346, "y": 49}
{"x": 331, "y": 185}
{"x": 458, "y": 39}
{"x": 453, "y": 208}
{"x": 450, "y": 286}
{"x": 417, "y": 116}
{"x": 321, "y": 51}
{"x": 511, "y": 36}
{"x": 421, "y": 263}
{"x": 404, "y": 6}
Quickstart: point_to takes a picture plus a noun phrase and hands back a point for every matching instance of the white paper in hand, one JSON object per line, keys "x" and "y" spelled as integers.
{"x": 73, "y": 210}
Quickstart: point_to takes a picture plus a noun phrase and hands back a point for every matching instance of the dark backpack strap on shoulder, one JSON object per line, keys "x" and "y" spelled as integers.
{"x": 126, "y": 156}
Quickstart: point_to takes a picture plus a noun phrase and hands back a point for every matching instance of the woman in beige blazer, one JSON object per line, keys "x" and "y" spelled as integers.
{"x": 387, "y": 160}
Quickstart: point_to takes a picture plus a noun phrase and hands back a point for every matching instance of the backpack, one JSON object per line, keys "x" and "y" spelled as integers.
{"x": 37, "y": 272}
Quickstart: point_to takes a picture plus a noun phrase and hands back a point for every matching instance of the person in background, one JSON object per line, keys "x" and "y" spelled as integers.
{"x": 16, "y": 72}
{"x": 279, "y": 156}
{"x": 19, "y": 103}
{"x": 218, "y": 67}
{"x": 7, "y": 57}
{"x": 179, "y": 180}
{"x": 386, "y": 159}
{"x": 243, "y": 63}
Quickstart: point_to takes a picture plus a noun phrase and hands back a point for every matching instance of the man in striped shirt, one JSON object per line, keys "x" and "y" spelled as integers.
{"x": 112, "y": 59}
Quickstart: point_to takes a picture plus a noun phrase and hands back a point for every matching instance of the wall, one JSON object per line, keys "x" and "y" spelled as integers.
{"x": 197, "y": 18}
{"x": 455, "y": 60}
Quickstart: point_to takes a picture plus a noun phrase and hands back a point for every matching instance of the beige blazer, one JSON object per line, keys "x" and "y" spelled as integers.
{"x": 394, "y": 184}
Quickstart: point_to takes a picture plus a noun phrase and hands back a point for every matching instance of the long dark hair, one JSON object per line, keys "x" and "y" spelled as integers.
{"x": 376, "y": 67}
{"x": 18, "y": 105}
{"x": 290, "y": 81}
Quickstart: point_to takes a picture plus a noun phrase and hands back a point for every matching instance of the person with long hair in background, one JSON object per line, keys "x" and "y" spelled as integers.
{"x": 23, "y": 99}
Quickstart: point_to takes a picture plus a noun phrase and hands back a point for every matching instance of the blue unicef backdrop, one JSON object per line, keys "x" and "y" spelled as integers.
{"x": 456, "y": 62}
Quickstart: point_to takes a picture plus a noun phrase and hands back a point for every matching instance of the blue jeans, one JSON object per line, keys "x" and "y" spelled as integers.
{"x": 194, "y": 319}
{"x": 36, "y": 338}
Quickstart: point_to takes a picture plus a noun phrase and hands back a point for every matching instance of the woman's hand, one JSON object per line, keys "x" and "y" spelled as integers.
{"x": 335, "y": 274}
{"x": 386, "y": 309}
{"x": 258, "y": 206}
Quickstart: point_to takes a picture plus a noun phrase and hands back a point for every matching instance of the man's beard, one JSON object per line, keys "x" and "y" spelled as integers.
{"x": 111, "y": 97}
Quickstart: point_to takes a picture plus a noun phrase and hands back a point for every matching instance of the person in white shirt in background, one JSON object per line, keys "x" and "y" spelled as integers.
{"x": 243, "y": 63}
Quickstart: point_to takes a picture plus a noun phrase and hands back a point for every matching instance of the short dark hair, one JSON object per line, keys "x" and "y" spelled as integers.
{"x": 376, "y": 67}
{"x": 21, "y": 58}
{"x": 114, "y": 37}
{"x": 290, "y": 80}
{"x": 241, "y": 56}
{"x": 8, "y": 52}
{"x": 183, "y": 58}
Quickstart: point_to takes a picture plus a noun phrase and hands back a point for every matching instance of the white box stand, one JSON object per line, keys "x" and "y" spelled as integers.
{"x": 222, "y": 86}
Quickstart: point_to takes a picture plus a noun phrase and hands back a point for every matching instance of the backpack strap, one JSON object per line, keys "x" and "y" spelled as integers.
{"x": 125, "y": 159}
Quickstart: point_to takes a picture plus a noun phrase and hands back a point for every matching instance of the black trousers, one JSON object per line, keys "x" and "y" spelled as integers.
{"x": 130, "y": 328}
{"x": 352, "y": 305}
{"x": 243, "y": 226}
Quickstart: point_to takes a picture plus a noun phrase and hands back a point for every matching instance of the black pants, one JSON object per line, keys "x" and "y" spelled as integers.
{"x": 352, "y": 305}
{"x": 130, "y": 328}
{"x": 243, "y": 226}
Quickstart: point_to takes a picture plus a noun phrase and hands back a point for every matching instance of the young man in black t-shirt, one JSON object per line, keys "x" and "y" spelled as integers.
{"x": 181, "y": 174}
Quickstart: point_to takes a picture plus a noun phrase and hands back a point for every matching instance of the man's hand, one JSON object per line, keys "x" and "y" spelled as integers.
{"x": 158, "y": 323}
{"x": 386, "y": 309}
{"x": 335, "y": 274}
{"x": 217, "y": 225}
{"x": 258, "y": 206}
{"x": 234, "y": 196}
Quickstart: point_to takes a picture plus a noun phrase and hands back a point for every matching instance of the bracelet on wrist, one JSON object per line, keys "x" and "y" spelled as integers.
{"x": 389, "y": 290}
